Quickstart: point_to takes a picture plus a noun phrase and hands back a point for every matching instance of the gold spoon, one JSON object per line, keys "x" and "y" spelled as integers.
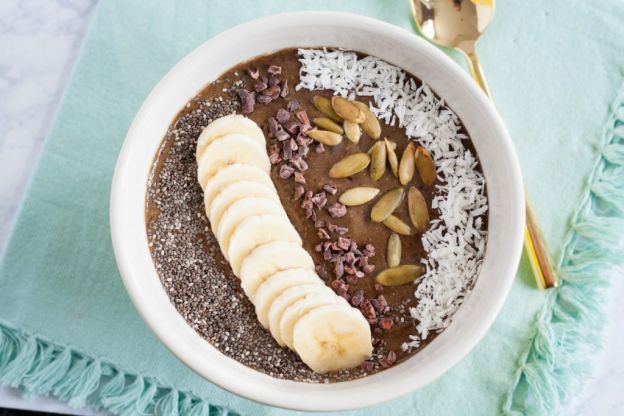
{"x": 458, "y": 24}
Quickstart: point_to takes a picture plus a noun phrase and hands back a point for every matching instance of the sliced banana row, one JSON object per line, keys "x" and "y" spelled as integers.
{"x": 266, "y": 253}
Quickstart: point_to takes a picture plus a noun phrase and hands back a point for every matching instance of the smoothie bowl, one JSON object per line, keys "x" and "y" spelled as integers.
{"x": 317, "y": 204}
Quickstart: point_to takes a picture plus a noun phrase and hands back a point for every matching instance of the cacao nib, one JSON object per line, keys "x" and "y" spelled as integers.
{"x": 273, "y": 81}
{"x": 293, "y": 146}
{"x": 319, "y": 224}
{"x": 309, "y": 213}
{"x": 281, "y": 134}
{"x": 282, "y": 115}
{"x": 318, "y": 248}
{"x": 386, "y": 324}
{"x": 286, "y": 153}
{"x": 248, "y": 100}
{"x": 299, "y": 178}
{"x": 319, "y": 148}
{"x": 344, "y": 243}
{"x": 339, "y": 269}
{"x": 272, "y": 92}
{"x": 319, "y": 199}
{"x": 274, "y": 156}
{"x": 330, "y": 189}
{"x": 368, "y": 366}
{"x": 286, "y": 171}
{"x": 322, "y": 234}
{"x": 303, "y": 151}
{"x": 367, "y": 310}
{"x": 357, "y": 298}
{"x": 306, "y": 204}
{"x": 303, "y": 140}
{"x": 369, "y": 250}
{"x": 350, "y": 270}
{"x": 351, "y": 279}
{"x": 299, "y": 191}
{"x": 350, "y": 258}
{"x": 264, "y": 99}
{"x": 253, "y": 72}
{"x": 321, "y": 271}
{"x": 380, "y": 304}
{"x": 337, "y": 210}
{"x": 379, "y": 288}
{"x": 260, "y": 86}
{"x": 341, "y": 287}
{"x": 363, "y": 261}
{"x": 273, "y": 126}
{"x": 302, "y": 116}
{"x": 384, "y": 362}
{"x": 327, "y": 255}
{"x": 368, "y": 268}
{"x": 391, "y": 357}
{"x": 292, "y": 127}
{"x": 285, "y": 89}
{"x": 298, "y": 162}
{"x": 292, "y": 105}
{"x": 264, "y": 79}
{"x": 274, "y": 70}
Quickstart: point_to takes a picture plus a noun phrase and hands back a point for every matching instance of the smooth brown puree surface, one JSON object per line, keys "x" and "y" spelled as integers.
{"x": 361, "y": 229}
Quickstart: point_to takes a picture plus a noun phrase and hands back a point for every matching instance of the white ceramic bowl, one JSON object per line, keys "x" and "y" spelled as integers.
{"x": 397, "y": 46}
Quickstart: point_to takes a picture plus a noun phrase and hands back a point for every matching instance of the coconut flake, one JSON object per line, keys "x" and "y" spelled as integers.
{"x": 455, "y": 244}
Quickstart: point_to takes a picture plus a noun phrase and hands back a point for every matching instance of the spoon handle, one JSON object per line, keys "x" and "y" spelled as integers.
{"x": 534, "y": 243}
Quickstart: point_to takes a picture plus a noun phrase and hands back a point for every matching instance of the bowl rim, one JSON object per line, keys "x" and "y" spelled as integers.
{"x": 260, "y": 393}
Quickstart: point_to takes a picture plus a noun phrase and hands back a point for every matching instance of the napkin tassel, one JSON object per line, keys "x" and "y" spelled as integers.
{"x": 41, "y": 367}
{"x": 558, "y": 359}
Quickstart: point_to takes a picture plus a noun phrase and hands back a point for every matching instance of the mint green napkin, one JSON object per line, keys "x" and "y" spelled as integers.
{"x": 68, "y": 329}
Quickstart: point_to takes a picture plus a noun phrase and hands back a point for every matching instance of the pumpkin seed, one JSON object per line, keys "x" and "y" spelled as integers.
{"x": 326, "y": 137}
{"x": 386, "y": 205}
{"x": 400, "y": 275}
{"x": 417, "y": 208}
{"x": 370, "y": 125}
{"x": 352, "y": 131}
{"x": 378, "y": 161}
{"x": 327, "y": 124}
{"x": 346, "y": 109}
{"x": 425, "y": 166}
{"x": 324, "y": 106}
{"x": 392, "y": 158}
{"x": 349, "y": 165}
{"x": 407, "y": 165}
{"x": 393, "y": 254}
{"x": 396, "y": 225}
{"x": 358, "y": 195}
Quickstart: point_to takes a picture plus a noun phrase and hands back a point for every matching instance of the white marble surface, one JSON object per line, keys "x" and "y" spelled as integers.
{"x": 39, "y": 41}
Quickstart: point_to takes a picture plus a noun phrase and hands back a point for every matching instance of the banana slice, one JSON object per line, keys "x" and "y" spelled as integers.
{"x": 255, "y": 231}
{"x": 333, "y": 337}
{"x": 284, "y": 300}
{"x": 227, "y": 150}
{"x": 275, "y": 285}
{"x": 241, "y": 210}
{"x": 233, "y": 193}
{"x": 294, "y": 312}
{"x": 232, "y": 174}
{"x": 234, "y": 123}
{"x": 269, "y": 259}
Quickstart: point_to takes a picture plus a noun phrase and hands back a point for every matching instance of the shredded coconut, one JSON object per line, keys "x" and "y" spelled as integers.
{"x": 455, "y": 243}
